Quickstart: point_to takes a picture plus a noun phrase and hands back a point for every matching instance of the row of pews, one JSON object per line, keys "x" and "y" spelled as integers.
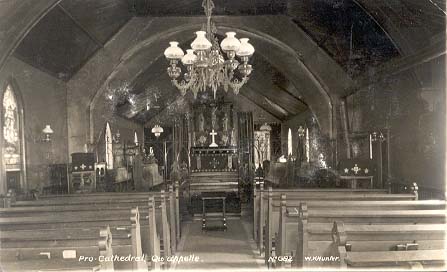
{"x": 90, "y": 232}
{"x": 348, "y": 228}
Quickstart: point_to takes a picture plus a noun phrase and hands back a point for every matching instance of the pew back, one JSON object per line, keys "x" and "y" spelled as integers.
{"x": 388, "y": 245}
{"x": 314, "y": 235}
{"x": 266, "y": 206}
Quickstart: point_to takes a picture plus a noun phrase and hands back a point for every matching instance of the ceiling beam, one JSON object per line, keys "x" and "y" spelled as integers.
{"x": 259, "y": 100}
{"x": 277, "y": 95}
{"x": 81, "y": 27}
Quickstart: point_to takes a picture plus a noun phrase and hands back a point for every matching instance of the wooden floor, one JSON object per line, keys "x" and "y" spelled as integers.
{"x": 217, "y": 249}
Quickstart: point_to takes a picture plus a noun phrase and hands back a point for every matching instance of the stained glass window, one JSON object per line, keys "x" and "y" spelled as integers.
{"x": 11, "y": 129}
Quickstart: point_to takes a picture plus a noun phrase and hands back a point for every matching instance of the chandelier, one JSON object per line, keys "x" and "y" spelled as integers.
{"x": 208, "y": 65}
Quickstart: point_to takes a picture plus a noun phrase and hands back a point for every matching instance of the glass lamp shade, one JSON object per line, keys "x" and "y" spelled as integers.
{"x": 173, "y": 51}
{"x": 157, "y": 130}
{"x": 47, "y": 130}
{"x": 230, "y": 43}
{"x": 201, "y": 42}
{"x": 189, "y": 58}
{"x": 265, "y": 127}
{"x": 246, "y": 49}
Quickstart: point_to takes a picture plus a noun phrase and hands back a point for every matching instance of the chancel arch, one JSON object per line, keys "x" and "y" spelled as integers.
{"x": 312, "y": 89}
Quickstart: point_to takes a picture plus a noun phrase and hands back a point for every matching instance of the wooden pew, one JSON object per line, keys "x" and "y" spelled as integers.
{"x": 411, "y": 246}
{"x": 286, "y": 235}
{"x": 90, "y": 220}
{"x": 34, "y": 251}
{"x": 312, "y": 233}
{"x": 260, "y": 198}
{"x": 152, "y": 217}
{"x": 266, "y": 213}
{"x": 58, "y": 237}
{"x": 108, "y": 200}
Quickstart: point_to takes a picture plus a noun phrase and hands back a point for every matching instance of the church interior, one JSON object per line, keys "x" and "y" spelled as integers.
{"x": 214, "y": 134}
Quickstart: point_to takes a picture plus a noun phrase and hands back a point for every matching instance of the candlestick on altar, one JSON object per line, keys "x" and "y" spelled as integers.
{"x": 370, "y": 147}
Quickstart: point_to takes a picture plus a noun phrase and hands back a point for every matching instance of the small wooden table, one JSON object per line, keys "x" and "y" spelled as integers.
{"x": 213, "y": 197}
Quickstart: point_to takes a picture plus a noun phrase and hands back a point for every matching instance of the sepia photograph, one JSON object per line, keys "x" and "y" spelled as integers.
{"x": 231, "y": 135}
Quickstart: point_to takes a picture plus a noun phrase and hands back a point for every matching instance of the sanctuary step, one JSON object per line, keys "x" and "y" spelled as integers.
{"x": 214, "y": 182}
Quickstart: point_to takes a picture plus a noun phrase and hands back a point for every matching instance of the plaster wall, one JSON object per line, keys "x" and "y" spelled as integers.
{"x": 416, "y": 118}
{"x": 44, "y": 102}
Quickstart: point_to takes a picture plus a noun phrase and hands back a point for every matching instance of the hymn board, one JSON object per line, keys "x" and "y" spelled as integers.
{"x": 213, "y": 138}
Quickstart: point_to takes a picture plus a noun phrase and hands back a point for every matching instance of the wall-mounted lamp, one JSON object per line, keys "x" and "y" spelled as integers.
{"x": 47, "y": 132}
{"x": 157, "y": 130}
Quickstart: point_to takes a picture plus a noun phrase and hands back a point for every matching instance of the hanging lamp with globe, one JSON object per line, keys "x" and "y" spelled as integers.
{"x": 157, "y": 130}
{"x": 208, "y": 65}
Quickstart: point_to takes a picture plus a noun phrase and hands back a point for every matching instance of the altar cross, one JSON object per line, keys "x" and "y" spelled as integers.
{"x": 213, "y": 134}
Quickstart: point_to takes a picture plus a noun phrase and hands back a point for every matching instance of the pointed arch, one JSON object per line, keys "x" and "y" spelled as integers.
{"x": 289, "y": 143}
{"x": 109, "y": 146}
{"x": 135, "y": 138}
{"x": 13, "y": 166}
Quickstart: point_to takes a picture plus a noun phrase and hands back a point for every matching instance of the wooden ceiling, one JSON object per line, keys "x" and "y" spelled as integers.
{"x": 222, "y": 7}
{"x": 351, "y": 31}
{"x": 71, "y": 33}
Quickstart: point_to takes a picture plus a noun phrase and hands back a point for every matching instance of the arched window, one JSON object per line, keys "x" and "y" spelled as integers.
{"x": 12, "y": 139}
{"x": 289, "y": 143}
{"x": 135, "y": 139}
{"x": 109, "y": 146}
{"x": 262, "y": 147}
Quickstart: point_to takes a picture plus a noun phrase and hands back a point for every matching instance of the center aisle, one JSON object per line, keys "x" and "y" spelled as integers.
{"x": 233, "y": 248}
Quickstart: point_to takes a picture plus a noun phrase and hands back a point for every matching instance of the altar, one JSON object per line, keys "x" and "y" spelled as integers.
{"x": 214, "y": 153}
